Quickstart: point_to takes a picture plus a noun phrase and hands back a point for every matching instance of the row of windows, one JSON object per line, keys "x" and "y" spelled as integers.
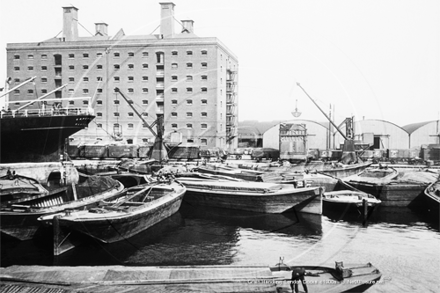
{"x": 131, "y": 78}
{"x": 173, "y": 125}
{"x": 131, "y": 114}
{"x": 144, "y": 90}
{"x": 115, "y": 54}
{"x": 189, "y": 65}
{"x": 117, "y": 78}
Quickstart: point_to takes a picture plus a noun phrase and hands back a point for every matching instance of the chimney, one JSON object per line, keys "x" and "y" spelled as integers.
{"x": 167, "y": 19}
{"x": 70, "y": 23}
{"x": 101, "y": 29}
{"x": 188, "y": 26}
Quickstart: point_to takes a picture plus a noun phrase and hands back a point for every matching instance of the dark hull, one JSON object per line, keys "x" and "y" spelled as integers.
{"x": 37, "y": 138}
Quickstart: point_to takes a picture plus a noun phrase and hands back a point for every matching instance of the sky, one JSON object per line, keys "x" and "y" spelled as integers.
{"x": 363, "y": 59}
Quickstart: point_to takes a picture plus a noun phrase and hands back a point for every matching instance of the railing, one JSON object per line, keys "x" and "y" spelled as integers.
{"x": 47, "y": 112}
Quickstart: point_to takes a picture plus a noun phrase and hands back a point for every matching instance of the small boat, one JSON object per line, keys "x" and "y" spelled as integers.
{"x": 253, "y": 196}
{"x": 142, "y": 207}
{"x": 19, "y": 211}
{"x": 215, "y": 278}
{"x": 348, "y": 200}
{"x": 432, "y": 199}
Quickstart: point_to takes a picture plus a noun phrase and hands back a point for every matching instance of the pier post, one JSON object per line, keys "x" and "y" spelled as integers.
{"x": 364, "y": 210}
{"x": 56, "y": 235}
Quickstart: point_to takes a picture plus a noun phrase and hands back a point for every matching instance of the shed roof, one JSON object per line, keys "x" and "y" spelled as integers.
{"x": 410, "y": 128}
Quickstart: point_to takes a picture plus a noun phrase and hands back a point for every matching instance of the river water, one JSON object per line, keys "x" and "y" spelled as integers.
{"x": 403, "y": 244}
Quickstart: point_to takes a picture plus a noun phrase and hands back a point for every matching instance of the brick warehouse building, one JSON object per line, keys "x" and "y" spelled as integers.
{"x": 190, "y": 80}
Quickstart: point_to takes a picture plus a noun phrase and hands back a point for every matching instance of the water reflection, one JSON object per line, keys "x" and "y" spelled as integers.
{"x": 287, "y": 223}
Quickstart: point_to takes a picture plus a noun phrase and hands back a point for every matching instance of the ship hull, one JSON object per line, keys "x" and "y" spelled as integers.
{"x": 37, "y": 138}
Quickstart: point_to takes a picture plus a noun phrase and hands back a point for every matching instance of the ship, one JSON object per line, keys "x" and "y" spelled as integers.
{"x": 38, "y": 134}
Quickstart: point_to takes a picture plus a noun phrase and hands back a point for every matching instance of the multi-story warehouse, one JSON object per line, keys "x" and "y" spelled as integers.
{"x": 190, "y": 80}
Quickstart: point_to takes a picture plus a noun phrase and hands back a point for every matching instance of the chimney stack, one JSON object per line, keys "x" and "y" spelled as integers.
{"x": 188, "y": 26}
{"x": 70, "y": 23}
{"x": 167, "y": 19}
{"x": 101, "y": 29}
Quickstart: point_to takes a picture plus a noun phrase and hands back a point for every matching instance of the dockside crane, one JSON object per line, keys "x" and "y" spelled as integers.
{"x": 348, "y": 151}
{"x": 158, "y": 152}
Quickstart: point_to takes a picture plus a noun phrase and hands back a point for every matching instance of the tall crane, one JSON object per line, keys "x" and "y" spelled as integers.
{"x": 348, "y": 152}
{"x": 159, "y": 152}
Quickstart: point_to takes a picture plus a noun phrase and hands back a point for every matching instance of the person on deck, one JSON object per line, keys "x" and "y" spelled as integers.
{"x": 298, "y": 276}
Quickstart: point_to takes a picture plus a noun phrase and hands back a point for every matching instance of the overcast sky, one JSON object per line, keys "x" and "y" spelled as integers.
{"x": 370, "y": 59}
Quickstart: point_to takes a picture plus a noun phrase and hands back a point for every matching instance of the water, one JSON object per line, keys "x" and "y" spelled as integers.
{"x": 402, "y": 243}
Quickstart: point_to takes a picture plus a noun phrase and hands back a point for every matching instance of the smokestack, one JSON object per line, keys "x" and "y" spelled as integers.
{"x": 167, "y": 19}
{"x": 70, "y": 23}
{"x": 188, "y": 26}
{"x": 101, "y": 29}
